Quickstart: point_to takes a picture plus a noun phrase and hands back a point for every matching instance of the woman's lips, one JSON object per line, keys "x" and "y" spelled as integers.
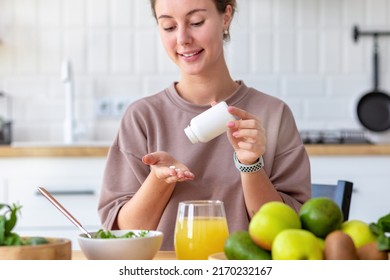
{"x": 190, "y": 56}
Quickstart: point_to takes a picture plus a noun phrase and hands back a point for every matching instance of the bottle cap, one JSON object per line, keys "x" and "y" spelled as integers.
{"x": 191, "y": 135}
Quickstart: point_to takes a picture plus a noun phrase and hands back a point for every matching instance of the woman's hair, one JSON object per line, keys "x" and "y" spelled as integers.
{"x": 219, "y": 4}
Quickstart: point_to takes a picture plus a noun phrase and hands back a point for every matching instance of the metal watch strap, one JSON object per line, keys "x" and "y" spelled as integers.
{"x": 259, "y": 164}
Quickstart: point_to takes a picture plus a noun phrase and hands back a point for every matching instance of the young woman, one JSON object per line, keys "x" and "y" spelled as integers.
{"x": 140, "y": 188}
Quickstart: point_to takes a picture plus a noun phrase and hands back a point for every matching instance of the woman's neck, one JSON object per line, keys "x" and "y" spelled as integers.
{"x": 205, "y": 90}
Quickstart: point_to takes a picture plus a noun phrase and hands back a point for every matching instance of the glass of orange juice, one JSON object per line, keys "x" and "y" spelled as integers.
{"x": 201, "y": 229}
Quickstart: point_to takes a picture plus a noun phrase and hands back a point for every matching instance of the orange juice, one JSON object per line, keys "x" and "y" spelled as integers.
{"x": 197, "y": 238}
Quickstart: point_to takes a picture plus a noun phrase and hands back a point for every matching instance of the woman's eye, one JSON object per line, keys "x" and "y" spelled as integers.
{"x": 199, "y": 23}
{"x": 169, "y": 29}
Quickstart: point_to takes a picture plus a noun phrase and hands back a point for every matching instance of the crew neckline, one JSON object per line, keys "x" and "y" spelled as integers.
{"x": 232, "y": 99}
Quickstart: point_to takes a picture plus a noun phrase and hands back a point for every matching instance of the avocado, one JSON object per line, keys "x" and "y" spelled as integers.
{"x": 239, "y": 246}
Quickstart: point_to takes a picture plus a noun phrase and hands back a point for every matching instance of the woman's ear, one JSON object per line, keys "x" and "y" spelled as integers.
{"x": 227, "y": 19}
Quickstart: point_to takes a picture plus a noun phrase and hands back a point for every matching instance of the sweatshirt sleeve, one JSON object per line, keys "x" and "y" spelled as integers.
{"x": 124, "y": 170}
{"x": 291, "y": 166}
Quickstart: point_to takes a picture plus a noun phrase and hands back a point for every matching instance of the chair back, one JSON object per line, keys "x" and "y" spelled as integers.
{"x": 341, "y": 193}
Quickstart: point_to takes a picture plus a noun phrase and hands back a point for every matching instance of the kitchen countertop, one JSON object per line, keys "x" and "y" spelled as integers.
{"x": 348, "y": 149}
{"x": 102, "y": 150}
{"x": 161, "y": 255}
{"x": 53, "y": 151}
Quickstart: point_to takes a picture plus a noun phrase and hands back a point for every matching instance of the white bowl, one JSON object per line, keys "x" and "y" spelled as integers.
{"x": 138, "y": 248}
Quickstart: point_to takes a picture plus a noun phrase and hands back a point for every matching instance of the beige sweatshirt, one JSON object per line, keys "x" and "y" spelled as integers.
{"x": 157, "y": 122}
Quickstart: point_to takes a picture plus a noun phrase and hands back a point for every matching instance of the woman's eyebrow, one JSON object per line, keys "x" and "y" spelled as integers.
{"x": 188, "y": 14}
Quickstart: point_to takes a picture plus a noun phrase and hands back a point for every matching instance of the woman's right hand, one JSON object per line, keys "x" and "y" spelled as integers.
{"x": 167, "y": 168}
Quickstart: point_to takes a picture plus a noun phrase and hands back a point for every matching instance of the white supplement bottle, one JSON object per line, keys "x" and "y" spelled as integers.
{"x": 209, "y": 124}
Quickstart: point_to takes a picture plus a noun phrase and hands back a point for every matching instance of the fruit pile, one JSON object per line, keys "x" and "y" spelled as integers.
{"x": 317, "y": 232}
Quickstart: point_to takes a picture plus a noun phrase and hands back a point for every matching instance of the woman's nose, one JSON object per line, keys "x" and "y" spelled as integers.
{"x": 184, "y": 36}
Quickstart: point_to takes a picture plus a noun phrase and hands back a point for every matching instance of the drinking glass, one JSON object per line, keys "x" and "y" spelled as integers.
{"x": 201, "y": 229}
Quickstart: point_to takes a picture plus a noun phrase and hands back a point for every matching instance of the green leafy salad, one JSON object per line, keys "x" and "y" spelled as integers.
{"x": 106, "y": 234}
{"x": 382, "y": 230}
{"x": 8, "y": 220}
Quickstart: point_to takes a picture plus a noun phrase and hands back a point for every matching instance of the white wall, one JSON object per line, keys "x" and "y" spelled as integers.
{"x": 299, "y": 50}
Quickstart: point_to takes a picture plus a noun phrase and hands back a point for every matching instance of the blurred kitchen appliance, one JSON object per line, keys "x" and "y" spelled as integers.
{"x": 5, "y": 119}
{"x": 373, "y": 108}
{"x": 334, "y": 137}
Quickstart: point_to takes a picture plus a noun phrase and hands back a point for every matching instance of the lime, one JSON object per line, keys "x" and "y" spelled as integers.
{"x": 321, "y": 215}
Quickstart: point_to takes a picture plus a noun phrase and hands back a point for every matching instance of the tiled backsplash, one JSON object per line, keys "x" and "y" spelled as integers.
{"x": 299, "y": 50}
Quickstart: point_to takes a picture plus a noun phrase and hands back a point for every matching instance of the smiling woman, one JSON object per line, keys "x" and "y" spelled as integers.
{"x": 185, "y": 33}
{"x": 221, "y": 6}
{"x": 140, "y": 190}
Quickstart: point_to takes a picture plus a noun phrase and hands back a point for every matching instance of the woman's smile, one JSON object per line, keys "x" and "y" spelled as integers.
{"x": 191, "y": 55}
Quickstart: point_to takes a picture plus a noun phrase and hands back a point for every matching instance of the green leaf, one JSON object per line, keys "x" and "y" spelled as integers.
{"x": 106, "y": 234}
{"x": 375, "y": 229}
{"x": 384, "y": 223}
{"x": 8, "y": 219}
{"x": 382, "y": 230}
{"x": 13, "y": 239}
{"x": 11, "y": 222}
{"x": 2, "y": 230}
{"x": 129, "y": 234}
{"x": 143, "y": 233}
{"x": 383, "y": 243}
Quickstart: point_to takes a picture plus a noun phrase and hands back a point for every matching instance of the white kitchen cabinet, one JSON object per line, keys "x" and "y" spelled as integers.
{"x": 370, "y": 176}
{"x": 74, "y": 182}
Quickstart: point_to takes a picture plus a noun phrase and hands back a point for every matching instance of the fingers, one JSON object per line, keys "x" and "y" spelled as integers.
{"x": 159, "y": 157}
{"x": 247, "y": 135}
{"x": 241, "y": 114}
{"x": 181, "y": 174}
{"x": 244, "y": 124}
{"x": 244, "y": 120}
{"x": 178, "y": 175}
{"x": 252, "y": 132}
{"x": 161, "y": 165}
{"x": 149, "y": 159}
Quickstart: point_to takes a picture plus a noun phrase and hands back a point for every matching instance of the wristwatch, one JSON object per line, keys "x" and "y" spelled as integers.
{"x": 259, "y": 164}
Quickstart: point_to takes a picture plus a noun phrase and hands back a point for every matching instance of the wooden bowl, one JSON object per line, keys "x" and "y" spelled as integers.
{"x": 56, "y": 249}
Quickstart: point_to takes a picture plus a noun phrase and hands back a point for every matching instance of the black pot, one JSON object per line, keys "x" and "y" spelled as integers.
{"x": 373, "y": 109}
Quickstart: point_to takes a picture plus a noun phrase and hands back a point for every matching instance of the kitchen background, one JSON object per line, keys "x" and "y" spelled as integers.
{"x": 299, "y": 50}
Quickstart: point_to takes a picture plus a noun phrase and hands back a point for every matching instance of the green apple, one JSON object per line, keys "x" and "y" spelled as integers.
{"x": 359, "y": 231}
{"x": 271, "y": 219}
{"x": 296, "y": 244}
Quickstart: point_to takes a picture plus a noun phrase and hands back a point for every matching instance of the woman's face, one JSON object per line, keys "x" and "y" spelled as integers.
{"x": 192, "y": 33}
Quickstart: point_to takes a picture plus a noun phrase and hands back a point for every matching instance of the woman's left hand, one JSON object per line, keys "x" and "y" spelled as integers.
{"x": 247, "y": 136}
{"x": 167, "y": 168}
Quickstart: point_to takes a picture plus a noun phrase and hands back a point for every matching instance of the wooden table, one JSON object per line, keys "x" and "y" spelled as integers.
{"x": 161, "y": 255}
